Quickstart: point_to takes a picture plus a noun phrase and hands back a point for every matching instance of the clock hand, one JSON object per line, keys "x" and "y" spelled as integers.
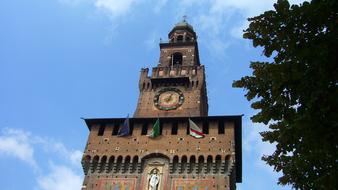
{"x": 167, "y": 99}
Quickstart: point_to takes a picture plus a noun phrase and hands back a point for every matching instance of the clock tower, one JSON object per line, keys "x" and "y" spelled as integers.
{"x": 176, "y": 87}
{"x": 170, "y": 143}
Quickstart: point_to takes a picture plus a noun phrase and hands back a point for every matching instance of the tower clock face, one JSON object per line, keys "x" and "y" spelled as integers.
{"x": 168, "y": 99}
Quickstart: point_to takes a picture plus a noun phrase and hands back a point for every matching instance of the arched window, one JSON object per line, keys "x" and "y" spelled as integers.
{"x": 176, "y": 59}
{"x": 179, "y": 38}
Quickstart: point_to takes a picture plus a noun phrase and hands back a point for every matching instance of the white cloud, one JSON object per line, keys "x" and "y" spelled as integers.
{"x": 75, "y": 157}
{"x": 58, "y": 148}
{"x": 60, "y": 178}
{"x": 253, "y": 145}
{"x": 115, "y": 8}
{"x": 15, "y": 143}
{"x": 26, "y": 147}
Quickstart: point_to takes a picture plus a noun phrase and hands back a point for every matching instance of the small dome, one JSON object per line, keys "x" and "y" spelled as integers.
{"x": 183, "y": 26}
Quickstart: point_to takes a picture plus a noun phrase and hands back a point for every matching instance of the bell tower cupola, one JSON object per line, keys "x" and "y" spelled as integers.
{"x": 181, "y": 38}
{"x": 182, "y": 32}
{"x": 176, "y": 87}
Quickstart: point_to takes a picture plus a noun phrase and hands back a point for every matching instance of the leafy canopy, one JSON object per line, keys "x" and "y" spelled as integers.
{"x": 296, "y": 93}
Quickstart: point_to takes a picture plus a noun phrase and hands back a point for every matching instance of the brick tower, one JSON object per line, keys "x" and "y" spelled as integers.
{"x": 174, "y": 93}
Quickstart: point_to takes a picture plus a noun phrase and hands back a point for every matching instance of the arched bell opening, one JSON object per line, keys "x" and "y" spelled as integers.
{"x": 176, "y": 59}
{"x": 179, "y": 38}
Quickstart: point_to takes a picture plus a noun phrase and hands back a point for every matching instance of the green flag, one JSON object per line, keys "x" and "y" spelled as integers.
{"x": 156, "y": 129}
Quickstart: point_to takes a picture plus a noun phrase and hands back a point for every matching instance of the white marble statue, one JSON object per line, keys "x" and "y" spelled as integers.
{"x": 154, "y": 179}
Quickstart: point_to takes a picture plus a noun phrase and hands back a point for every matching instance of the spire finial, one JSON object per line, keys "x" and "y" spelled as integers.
{"x": 185, "y": 18}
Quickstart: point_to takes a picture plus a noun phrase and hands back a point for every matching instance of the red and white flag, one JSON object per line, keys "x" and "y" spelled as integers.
{"x": 194, "y": 130}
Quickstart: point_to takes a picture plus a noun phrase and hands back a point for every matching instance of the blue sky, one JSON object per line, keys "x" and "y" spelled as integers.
{"x": 61, "y": 60}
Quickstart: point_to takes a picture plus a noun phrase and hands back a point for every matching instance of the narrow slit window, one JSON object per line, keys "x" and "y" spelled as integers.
{"x": 144, "y": 129}
{"x": 116, "y": 128}
{"x": 188, "y": 128}
{"x": 174, "y": 128}
{"x": 161, "y": 128}
{"x": 205, "y": 127}
{"x": 131, "y": 128}
{"x": 101, "y": 130}
{"x": 221, "y": 127}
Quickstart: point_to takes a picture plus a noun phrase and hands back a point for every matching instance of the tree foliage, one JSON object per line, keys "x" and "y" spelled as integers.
{"x": 296, "y": 93}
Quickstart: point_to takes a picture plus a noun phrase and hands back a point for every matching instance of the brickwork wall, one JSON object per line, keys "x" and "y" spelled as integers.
{"x": 195, "y": 102}
{"x": 167, "y": 144}
{"x": 180, "y": 160}
{"x": 189, "y": 55}
{"x": 200, "y": 156}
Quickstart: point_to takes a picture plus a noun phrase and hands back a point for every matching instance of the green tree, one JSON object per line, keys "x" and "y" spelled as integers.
{"x": 296, "y": 93}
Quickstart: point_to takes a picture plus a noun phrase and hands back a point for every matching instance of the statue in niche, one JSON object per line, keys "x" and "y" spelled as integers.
{"x": 154, "y": 179}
